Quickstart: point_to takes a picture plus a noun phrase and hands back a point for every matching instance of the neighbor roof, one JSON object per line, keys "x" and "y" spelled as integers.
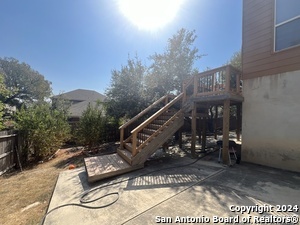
{"x": 83, "y": 98}
{"x": 82, "y": 95}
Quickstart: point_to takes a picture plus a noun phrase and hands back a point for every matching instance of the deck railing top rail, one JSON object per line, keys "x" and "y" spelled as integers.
{"x": 142, "y": 113}
{"x": 224, "y": 79}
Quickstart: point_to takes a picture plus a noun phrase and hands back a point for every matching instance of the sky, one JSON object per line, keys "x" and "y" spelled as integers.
{"x": 75, "y": 44}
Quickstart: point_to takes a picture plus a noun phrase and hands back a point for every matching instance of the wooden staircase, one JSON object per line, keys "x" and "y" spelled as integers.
{"x": 152, "y": 128}
{"x": 152, "y": 133}
{"x": 141, "y": 136}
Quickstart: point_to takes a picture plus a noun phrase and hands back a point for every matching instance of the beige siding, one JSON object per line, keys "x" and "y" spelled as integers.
{"x": 271, "y": 120}
{"x": 259, "y": 58}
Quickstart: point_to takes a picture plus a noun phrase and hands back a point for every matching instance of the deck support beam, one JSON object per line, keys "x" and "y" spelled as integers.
{"x": 194, "y": 130}
{"x": 226, "y": 118}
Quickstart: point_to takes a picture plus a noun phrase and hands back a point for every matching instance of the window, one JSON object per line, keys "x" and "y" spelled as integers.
{"x": 287, "y": 24}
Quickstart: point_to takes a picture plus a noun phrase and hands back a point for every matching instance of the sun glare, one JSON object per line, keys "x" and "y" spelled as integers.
{"x": 150, "y": 14}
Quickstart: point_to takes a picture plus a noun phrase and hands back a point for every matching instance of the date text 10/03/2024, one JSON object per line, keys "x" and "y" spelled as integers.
{"x": 290, "y": 218}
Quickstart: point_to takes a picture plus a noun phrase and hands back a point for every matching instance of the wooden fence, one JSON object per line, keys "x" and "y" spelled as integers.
{"x": 8, "y": 145}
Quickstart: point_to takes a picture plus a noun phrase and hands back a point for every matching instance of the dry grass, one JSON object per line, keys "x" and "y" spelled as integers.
{"x": 20, "y": 189}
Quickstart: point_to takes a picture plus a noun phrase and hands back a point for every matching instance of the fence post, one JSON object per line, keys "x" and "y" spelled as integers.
{"x": 18, "y": 147}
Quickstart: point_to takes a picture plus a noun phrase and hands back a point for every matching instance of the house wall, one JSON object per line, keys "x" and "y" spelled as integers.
{"x": 271, "y": 120}
{"x": 258, "y": 56}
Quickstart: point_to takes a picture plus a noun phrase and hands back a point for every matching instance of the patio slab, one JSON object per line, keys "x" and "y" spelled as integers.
{"x": 170, "y": 190}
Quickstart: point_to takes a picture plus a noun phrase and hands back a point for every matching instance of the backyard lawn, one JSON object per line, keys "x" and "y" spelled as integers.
{"x": 25, "y": 195}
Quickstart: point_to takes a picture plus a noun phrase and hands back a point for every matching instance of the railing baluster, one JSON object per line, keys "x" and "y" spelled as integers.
{"x": 213, "y": 82}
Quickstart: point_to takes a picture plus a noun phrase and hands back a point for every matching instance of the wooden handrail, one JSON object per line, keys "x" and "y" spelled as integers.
{"x": 143, "y": 112}
{"x": 209, "y": 72}
{"x": 157, "y": 114}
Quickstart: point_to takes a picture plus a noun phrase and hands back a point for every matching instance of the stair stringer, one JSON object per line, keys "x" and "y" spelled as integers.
{"x": 158, "y": 141}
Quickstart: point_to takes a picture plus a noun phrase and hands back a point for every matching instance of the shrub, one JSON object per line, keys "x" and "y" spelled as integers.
{"x": 43, "y": 130}
{"x": 94, "y": 126}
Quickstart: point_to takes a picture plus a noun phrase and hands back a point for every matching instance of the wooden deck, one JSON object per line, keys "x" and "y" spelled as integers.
{"x": 100, "y": 167}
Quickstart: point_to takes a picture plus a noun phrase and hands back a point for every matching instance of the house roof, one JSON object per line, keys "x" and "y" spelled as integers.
{"x": 80, "y": 99}
{"x": 82, "y": 95}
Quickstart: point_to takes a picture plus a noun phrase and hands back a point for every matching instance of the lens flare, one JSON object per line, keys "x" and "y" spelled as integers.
{"x": 150, "y": 14}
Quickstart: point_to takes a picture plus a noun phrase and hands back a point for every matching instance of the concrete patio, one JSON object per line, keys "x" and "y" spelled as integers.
{"x": 181, "y": 190}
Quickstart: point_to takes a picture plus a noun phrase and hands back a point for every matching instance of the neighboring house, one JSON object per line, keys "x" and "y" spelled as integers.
{"x": 271, "y": 83}
{"x": 79, "y": 100}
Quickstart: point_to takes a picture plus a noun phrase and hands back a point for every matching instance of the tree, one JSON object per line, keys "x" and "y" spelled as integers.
{"x": 43, "y": 130}
{"x": 3, "y": 92}
{"x": 91, "y": 127}
{"x": 171, "y": 68}
{"x": 236, "y": 60}
{"x": 126, "y": 96}
{"x": 25, "y": 84}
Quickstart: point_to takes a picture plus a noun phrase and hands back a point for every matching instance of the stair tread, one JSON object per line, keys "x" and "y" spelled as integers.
{"x": 128, "y": 146}
{"x": 125, "y": 154}
{"x": 148, "y": 129}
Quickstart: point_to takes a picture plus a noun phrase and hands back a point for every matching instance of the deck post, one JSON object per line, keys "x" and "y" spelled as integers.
{"x": 238, "y": 121}
{"x": 203, "y": 133}
{"x": 199, "y": 129}
{"x": 122, "y": 138}
{"x": 134, "y": 143}
{"x": 216, "y": 121}
{"x": 166, "y": 99}
{"x": 226, "y": 118}
{"x": 195, "y": 86}
{"x": 227, "y": 79}
{"x": 194, "y": 119}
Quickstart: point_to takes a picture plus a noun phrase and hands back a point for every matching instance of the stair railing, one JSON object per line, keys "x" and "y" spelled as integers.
{"x": 122, "y": 128}
{"x": 135, "y": 147}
